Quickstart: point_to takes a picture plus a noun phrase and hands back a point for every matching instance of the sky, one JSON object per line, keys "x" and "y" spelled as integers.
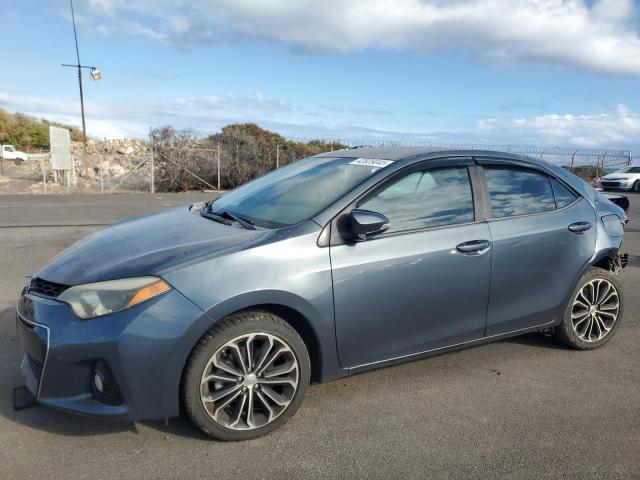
{"x": 526, "y": 72}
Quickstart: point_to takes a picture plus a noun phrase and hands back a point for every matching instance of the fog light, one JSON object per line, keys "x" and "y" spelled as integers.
{"x": 98, "y": 382}
{"x": 104, "y": 387}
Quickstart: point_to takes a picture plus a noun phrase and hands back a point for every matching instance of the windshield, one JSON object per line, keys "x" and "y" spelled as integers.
{"x": 298, "y": 191}
{"x": 630, "y": 170}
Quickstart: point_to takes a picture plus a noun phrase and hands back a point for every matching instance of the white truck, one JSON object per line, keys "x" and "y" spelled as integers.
{"x": 8, "y": 152}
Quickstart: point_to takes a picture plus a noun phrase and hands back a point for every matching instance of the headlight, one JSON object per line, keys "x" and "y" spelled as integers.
{"x": 96, "y": 299}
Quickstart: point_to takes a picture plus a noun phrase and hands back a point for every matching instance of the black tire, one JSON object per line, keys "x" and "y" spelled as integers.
{"x": 225, "y": 331}
{"x": 565, "y": 332}
{"x": 636, "y": 186}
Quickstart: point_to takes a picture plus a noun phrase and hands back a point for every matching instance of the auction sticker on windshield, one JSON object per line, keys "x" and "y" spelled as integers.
{"x": 371, "y": 162}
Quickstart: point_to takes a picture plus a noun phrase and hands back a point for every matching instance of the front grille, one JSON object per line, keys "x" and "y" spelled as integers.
{"x": 44, "y": 288}
{"x": 36, "y": 367}
{"x": 610, "y": 184}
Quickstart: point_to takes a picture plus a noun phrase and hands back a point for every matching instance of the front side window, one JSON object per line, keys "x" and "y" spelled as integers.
{"x": 430, "y": 198}
{"x": 630, "y": 170}
{"x": 515, "y": 191}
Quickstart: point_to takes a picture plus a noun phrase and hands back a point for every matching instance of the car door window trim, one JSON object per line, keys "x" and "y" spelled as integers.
{"x": 571, "y": 190}
{"x": 513, "y": 164}
{"x": 336, "y": 239}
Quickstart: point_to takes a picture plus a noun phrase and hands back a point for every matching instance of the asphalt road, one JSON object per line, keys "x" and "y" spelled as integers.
{"x": 520, "y": 408}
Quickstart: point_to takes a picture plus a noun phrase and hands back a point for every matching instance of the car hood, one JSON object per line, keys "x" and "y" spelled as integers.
{"x": 619, "y": 176}
{"x": 144, "y": 246}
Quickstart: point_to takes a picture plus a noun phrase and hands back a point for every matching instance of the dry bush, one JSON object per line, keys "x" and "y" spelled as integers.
{"x": 246, "y": 152}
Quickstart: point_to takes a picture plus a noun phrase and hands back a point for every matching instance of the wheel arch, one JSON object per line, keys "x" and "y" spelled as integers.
{"x": 314, "y": 322}
{"x": 605, "y": 259}
{"x": 302, "y": 326}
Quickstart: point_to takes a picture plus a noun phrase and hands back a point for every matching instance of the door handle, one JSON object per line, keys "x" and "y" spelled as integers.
{"x": 474, "y": 247}
{"x": 580, "y": 227}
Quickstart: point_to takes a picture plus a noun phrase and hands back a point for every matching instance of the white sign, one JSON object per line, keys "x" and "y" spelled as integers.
{"x": 371, "y": 162}
{"x": 60, "y": 142}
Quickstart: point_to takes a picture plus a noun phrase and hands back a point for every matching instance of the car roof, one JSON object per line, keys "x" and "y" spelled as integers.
{"x": 410, "y": 153}
{"x": 385, "y": 153}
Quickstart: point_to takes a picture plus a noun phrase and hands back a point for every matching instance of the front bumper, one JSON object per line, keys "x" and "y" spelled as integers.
{"x": 145, "y": 348}
{"x": 616, "y": 185}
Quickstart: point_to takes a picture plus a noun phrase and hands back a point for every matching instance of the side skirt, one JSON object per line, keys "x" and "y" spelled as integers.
{"x": 438, "y": 351}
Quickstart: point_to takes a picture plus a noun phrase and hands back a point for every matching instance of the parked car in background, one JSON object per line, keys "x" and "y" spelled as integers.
{"x": 8, "y": 152}
{"x": 626, "y": 179}
{"x": 333, "y": 265}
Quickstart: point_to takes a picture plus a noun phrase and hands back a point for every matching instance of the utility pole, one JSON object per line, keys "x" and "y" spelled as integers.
{"x": 218, "y": 157}
{"x": 573, "y": 157}
{"x": 153, "y": 174}
{"x": 95, "y": 73}
{"x": 101, "y": 173}
{"x": 75, "y": 37}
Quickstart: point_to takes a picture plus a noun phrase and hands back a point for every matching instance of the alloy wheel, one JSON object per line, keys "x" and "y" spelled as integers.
{"x": 595, "y": 310}
{"x": 250, "y": 381}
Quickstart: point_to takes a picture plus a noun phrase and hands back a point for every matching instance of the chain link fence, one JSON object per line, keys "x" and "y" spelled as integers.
{"x": 174, "y": 161}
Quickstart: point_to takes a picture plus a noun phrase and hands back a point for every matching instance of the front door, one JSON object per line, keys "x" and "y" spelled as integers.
{"x": 424, "y": 283}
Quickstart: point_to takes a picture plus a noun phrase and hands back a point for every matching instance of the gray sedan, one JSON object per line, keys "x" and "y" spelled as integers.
{"x": 333, "y": 265}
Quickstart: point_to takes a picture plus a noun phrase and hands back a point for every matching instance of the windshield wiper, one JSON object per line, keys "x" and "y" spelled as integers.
{"x": 232, "y": 216}
{"x": 215, "y": 218}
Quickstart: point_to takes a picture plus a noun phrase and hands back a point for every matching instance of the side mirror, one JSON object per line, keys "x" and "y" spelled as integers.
{"x": 366, "y": 222}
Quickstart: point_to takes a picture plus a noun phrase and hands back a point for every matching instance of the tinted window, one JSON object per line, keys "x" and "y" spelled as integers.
{"x": 517, "y": 192}
{"x": 564, "y": 196}
{"x": 630, "y": 170}
{"x": 424, "y": 199}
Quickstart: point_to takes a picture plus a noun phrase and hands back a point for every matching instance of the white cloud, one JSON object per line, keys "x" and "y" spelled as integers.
{"x": 113, "y": 120}
{"x": 620, "y": 127}
{"x": 601, "y": 35}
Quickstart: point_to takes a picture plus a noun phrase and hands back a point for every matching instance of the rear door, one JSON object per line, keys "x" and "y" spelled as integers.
{"x": 543, "y": 235}
{"x": 411, "y": 289}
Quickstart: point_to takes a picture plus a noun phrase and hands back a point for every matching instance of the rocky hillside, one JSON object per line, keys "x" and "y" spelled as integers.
{"x": 182, "y": 160}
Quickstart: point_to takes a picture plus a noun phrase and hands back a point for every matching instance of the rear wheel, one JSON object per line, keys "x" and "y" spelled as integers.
{"x": 246, "y": 377}
{"x": 594, "y": 313}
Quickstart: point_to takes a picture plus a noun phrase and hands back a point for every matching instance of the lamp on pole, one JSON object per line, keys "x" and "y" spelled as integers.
{"x": 95, "y": 73}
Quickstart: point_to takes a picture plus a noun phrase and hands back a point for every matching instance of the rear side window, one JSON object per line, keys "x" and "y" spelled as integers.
{"x": 563, "y": 195}
{"x": 429, "y": 198}
{"x": 515, "y": 191}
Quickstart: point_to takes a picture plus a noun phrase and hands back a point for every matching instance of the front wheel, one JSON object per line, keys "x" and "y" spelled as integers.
{"x": 636, "y": 186}
{"x": 594, "y": 313}
{"x": 246, "y": 377}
